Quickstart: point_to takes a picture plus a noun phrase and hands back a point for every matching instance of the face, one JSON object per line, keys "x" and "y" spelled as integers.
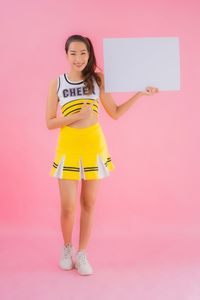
{"x": 77, "y": 55}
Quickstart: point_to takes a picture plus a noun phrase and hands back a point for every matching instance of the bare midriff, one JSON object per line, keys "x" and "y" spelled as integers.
{"x": 85, "y": 122}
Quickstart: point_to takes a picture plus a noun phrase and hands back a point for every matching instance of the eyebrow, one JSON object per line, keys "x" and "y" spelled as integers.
{"x": 75, "y": 51}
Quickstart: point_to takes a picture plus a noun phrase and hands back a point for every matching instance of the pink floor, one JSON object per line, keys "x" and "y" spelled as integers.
{"x": 146, "y": 267}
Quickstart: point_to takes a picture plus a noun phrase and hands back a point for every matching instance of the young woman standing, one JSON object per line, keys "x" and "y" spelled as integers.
{"x": 82, "y": 152}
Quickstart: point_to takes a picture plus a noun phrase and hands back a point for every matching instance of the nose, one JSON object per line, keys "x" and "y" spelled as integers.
{"x": 77, "y": 57}
{"x": 78, "y": 62}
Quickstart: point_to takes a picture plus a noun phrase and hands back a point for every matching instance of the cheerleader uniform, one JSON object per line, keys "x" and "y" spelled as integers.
{"x": 81, "y": 153}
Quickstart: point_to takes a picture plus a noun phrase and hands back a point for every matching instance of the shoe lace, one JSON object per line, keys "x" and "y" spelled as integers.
{"x": 83, "y": 258}
{"x": 68, "y": 251}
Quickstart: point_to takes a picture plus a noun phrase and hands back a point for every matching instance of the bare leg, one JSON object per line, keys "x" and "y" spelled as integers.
{"x": 68, "y": 194}
{"x": 88, "y": 197}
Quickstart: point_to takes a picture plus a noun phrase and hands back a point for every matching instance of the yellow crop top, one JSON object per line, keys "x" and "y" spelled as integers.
{"x": 72, "y": 95}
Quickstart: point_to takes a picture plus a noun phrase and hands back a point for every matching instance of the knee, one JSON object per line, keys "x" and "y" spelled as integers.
{"x": 88, "y": 203}
{"x": 67, "y": 210}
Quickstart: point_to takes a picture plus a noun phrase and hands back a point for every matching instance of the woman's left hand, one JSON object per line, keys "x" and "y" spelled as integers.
{"x": 150, "y": 90}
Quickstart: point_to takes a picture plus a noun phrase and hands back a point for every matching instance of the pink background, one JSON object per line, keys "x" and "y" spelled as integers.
{"x": 146, "y": 232}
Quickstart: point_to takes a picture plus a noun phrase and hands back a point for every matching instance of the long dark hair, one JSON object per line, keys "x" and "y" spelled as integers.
{"x": 89, "y": 71}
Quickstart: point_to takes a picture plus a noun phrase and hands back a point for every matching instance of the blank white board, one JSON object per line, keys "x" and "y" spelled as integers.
{"x": 132, "y": 64}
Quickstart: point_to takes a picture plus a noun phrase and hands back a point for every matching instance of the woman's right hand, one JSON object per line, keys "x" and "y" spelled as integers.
{"x": 86, "y": 110}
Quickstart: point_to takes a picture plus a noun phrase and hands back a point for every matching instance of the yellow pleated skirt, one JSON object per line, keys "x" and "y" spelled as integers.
{"x": 81, "y": 153}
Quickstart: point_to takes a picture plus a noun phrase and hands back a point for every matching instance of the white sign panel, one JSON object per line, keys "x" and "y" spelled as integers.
{"x": 132, "y": 64}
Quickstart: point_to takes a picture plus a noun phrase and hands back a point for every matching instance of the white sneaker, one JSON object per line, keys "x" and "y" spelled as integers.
{"x": 82, "y": 264}
{"x": 66, "y": 260}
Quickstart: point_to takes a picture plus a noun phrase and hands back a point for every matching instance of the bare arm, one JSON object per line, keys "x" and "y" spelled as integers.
{"x": 122, "y": 108}
{"x": 52, "y": 121}
{"x": 115, "y": 111}
{"x": 107, "y": 100}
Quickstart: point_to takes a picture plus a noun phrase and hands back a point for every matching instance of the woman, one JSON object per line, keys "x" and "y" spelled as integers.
{"x": 82, "y": 152}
